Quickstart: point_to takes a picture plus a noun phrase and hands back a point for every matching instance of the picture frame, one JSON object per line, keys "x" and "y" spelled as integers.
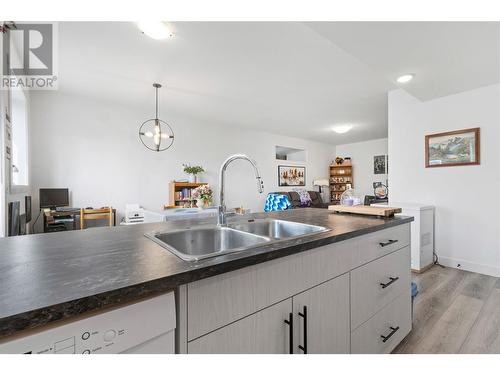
{"x": 379, "y": 164}
{"x": 289, "y": 175}
{"x": 453, "y": 148}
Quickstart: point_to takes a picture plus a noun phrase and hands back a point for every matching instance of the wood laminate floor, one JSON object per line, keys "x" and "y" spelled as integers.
{"x": 455, "y": 312}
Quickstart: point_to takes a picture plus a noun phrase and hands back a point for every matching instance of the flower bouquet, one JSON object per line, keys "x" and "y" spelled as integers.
{"x": 203, "y": 195}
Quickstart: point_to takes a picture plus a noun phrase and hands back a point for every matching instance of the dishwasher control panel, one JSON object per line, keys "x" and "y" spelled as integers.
{"x": 111, "y": 331}
{"x": 88, "y": 341}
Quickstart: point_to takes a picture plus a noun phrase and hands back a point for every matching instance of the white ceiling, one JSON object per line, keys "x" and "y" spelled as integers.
{"x": 282, "y": 77}
{"x": 446, "y": 57}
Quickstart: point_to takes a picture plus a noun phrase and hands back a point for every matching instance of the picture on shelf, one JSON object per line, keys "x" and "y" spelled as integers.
{"x": 379, "y": 164}
{"x": 460, "y": 147}
{"x": 291, "y": 176}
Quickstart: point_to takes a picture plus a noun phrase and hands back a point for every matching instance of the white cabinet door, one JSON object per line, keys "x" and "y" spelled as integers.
{"x": 325, "y": 310}
{"x": 264, "y": 332}
{"x": 217, "y": 301}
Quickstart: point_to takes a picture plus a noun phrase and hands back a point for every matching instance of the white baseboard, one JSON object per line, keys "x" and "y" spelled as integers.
{"x": 470, "y": 266}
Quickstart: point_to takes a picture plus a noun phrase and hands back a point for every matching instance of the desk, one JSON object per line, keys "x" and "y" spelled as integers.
{"x": 55, "y": 221}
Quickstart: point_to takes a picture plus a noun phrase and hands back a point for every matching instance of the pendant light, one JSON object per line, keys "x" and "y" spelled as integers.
{"x": 156, "y": 134}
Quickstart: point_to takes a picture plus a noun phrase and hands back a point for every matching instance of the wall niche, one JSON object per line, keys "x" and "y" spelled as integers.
{"x": 290, "y": 154}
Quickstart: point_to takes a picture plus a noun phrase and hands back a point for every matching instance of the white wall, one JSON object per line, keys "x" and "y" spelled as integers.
{"x": 92, "y": 147}
{"x": 362, "y": 154}
{"x": 466, "y": 198}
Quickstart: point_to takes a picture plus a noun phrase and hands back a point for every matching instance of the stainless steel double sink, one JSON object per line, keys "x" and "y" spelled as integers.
{"x": 208, "y": 241}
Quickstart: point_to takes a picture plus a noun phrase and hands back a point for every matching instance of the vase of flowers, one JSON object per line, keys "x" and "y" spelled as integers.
{"x": 203, "y": 195}
{"x": 193, "y": 171}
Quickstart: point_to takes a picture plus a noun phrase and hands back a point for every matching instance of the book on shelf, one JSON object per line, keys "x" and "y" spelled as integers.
{"x": 183, "y": 194}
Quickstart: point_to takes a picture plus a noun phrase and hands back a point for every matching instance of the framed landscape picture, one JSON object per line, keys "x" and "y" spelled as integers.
{"x": 291, "y": 175}
{"x": 459, "y": 147}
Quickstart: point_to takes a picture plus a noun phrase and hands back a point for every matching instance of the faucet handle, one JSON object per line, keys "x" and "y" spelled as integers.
{"x": 260, "y": 184}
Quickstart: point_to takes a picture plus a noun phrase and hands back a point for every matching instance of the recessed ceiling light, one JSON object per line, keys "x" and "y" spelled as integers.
{"x": 155, "y": 29}
{"x": 405, "y": 78}
{"x": 341, "y": 129}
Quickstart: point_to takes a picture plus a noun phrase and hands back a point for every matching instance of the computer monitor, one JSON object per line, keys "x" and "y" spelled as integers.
{"x": 52, "y": 198}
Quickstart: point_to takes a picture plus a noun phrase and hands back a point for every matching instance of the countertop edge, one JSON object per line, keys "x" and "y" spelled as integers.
{"x": 12, "y": 325}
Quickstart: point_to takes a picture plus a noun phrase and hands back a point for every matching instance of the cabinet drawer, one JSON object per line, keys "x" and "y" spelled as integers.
{"x": 217, "y": 301}
{"x": 378, "y": 283}
{"x": 264, "y": 332}
{"x": 375, "y": 245}
{"x": 393, "y": 322}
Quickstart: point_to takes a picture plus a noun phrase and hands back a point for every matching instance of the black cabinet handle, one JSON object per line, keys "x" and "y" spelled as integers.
{"x": 304, "y": 316}
{"x": 390, "y": 242}
{"x": 393, "y": 280}
{"x": 290, "y": 326}
{"x": 393, "y": 331}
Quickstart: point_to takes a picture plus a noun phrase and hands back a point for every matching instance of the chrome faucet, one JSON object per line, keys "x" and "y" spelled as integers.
{"x": 221, "y": 217}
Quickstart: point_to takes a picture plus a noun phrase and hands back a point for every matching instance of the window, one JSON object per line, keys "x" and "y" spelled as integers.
{"x": 19, "y": 123}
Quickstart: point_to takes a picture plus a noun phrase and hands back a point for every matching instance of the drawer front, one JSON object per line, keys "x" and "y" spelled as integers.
{"x": 217, "y": 301}
{"x": 264, "y": 332}
{"x": 384, "y": 331}
{"x": 375, "y": 245}
{"x": 376, "y": 284}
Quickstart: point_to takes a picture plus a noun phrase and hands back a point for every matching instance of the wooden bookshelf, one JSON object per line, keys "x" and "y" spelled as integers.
{"x": 340, "y": 178}
{"x": 177, "y": 198}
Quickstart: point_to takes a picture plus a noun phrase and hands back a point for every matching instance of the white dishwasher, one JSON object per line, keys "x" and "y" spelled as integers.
{"x": 146, "y": 327}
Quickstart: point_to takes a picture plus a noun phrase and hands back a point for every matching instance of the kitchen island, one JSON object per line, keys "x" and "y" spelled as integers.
{"x": 50, "y": 277}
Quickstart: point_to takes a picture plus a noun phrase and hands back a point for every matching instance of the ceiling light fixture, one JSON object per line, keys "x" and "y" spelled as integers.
{"x": 155, "y": 29}
{"x": 156, "y": 134}
{"x": 405, "y": 78}
{"x": 341, "y": 129}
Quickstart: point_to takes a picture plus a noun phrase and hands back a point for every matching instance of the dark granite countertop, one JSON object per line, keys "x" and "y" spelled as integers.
{"x": 47, "y": 277}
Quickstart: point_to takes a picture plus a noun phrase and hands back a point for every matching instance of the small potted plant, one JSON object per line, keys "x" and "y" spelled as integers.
{"x": 203, "y": 195}
{"x": 192, "y": 171}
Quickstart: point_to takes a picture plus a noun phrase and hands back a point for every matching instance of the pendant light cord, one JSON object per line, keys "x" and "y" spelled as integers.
{"x": 156, "y": 95}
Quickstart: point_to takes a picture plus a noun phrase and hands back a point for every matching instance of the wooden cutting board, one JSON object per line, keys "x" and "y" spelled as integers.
{"x": 366, "y": 210}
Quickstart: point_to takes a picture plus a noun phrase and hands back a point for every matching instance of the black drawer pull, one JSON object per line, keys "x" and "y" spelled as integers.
{"x": 393, "y": 331}
{"x": 290, "y": 325}
{"x": 304, "y": 316}
{"x": 393, "y": 280}
{"x": 390, "y": 242}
